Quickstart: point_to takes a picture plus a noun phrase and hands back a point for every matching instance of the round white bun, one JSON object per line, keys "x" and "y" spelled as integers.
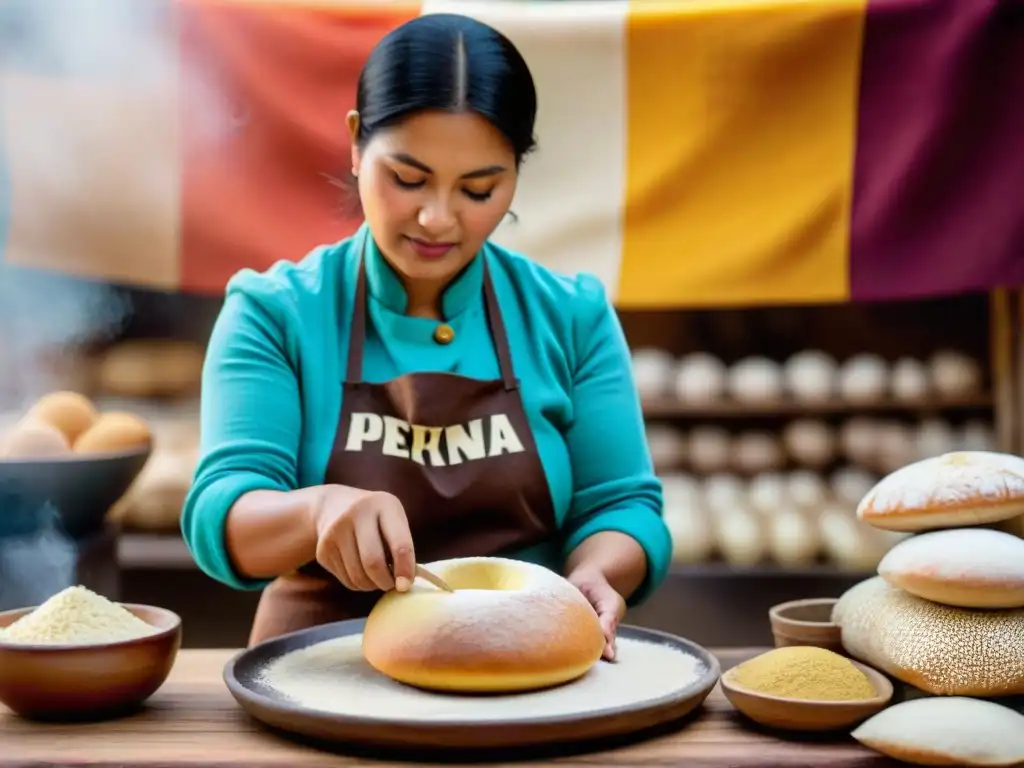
{"x": 954, "y": 490}
{"x": 508, "y": 626}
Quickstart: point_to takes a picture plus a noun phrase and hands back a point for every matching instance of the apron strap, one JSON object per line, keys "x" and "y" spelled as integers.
{"x": 357, "y": 336}
{"x": 498, "y": 332}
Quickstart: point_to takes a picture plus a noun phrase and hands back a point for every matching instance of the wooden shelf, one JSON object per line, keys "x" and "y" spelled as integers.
{"x": 670, "y": 407}
{"x": 167, "y": 551}
{"x": 153, "y": 551}
{"x": 720, "y": 570}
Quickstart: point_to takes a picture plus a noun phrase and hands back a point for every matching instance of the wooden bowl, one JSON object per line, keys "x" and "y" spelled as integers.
{"x": 805, "y": 715}
{"x": 87, "y": 682}
{"x": 73, "y": 492}
{"x": 806, "y": 622}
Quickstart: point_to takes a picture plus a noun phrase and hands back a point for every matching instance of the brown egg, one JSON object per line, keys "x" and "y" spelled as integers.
{"x": 33, "y": 439}
{"x": 114, "y": 432}
{"x": 69, "y": 412}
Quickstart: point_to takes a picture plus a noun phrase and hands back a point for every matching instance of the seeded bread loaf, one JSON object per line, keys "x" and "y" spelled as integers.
{"x": 936, "y": 648}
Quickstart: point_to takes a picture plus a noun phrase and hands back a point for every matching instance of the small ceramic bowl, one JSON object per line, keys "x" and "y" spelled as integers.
{"x": 806, "y": 622}
{"x": 804, "y": 715}
{"x": 87, "y": 682}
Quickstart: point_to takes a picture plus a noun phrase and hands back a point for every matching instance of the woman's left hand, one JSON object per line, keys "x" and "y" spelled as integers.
{"x": 608, "y": 603}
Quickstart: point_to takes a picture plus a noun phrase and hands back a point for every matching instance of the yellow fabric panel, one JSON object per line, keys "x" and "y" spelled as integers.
{"x": 740, "y": 148}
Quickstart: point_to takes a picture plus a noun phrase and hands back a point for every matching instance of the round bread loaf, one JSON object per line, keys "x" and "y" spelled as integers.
{"x": 949, "y": 491}
{"x": 114, "y": 431}
{"x": 508, "y": 626}
{"x": 965, "y": 567}
{"x": 34, "y": 440}
{"x": 73, "y": 414}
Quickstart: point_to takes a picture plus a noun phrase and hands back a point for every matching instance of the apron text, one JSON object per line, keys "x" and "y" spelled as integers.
{"x": 434, "y": 446}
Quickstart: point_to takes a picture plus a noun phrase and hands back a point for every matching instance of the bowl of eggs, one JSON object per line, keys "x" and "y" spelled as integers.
{"x": 65, "y": 457}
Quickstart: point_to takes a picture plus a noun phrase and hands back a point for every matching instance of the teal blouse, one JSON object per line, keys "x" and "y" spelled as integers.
{"x": 262, "y": 430}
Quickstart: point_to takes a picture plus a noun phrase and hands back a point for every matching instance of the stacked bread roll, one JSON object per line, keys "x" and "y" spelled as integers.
{"x": 946, "y": 612}
{"x": 810, "y": 377}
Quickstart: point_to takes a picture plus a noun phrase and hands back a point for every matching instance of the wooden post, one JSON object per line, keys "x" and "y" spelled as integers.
{"x": 1005, "y": 320}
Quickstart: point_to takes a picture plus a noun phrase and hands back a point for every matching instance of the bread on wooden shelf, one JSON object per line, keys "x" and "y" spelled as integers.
{"x": 755, "y": 380}
{"x": 710, "y": 449}
{"x": 807, "y": 489}
{"x": 909, "y": 381}
{"x": 863, "y": 379}
{"x": 793, "y": 538}
{"x": 653, "y": 372}
{"x": 954, "y": 374}
{"x": 700, "y": 379}
{"x": 768, "y": 492}
{"x": 810, "y": 442}
{"x": 740, "y": 536}
{"x": 667, "y": 445}
{"x": 810, "y": 377}
{"x": 756, "y": 451}
{"x": 850, "y": 484}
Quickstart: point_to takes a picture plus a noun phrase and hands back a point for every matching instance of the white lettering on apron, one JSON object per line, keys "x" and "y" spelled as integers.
{"x": 471, "y": 444}
{"x": 422, "y": 444}
{"x": 396, "y": 438}
{"x": 427, "y": 440}
{"x": 503, "y": 437}
{"x": 364, "y": 428}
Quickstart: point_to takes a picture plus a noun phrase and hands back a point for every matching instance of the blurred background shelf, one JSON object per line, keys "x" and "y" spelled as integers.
{"x": 153, "y": 551}
{"x": 668, "y": 407}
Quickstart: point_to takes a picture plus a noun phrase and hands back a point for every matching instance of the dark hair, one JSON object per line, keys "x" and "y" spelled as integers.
{"x": 448, "y": 62}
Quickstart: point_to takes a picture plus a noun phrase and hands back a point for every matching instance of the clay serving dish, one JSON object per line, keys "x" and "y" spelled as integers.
{"x": 74, "y": 492}
{"x": 805, "y": 715}
{"x": 87, "y": 682}
{"x": 806, "y": 622}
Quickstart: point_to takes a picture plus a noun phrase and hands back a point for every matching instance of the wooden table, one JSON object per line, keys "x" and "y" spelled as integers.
{"x": 193, "y": 722}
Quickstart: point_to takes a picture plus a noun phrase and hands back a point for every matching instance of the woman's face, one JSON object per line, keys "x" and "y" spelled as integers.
{"x": 433, "y": 188}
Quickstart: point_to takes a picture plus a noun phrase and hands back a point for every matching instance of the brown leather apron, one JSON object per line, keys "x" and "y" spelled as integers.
{"x": 458, "y": 453}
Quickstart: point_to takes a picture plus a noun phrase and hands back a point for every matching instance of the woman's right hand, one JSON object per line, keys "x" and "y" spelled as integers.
{"x": 356, "y": 539}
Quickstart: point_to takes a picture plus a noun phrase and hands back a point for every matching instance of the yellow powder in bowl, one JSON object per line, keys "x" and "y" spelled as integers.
{"x": 76, "y": 616}
{"x": 804, "y": 672}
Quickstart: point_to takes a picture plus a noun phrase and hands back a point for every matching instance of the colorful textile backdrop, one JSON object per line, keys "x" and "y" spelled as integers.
{"x": 692, "y": 152}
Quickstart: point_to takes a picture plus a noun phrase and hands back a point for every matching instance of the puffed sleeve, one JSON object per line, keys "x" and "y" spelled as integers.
{"x": 614, "y": 485}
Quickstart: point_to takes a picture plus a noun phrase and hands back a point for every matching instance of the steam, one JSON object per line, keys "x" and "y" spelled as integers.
{"x": 36, "y": 559}
{"x": 90, "y": 162}
{"x": 88, "y": 99}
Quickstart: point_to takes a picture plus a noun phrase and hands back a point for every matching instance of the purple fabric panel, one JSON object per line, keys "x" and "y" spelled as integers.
{"x": 938, "y": 202}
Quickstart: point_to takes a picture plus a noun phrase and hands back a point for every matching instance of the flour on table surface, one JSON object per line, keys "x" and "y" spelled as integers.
{"x": 332, "y": 676}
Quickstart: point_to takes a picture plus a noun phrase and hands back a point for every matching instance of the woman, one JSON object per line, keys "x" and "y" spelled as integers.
{"x": 414, "y": 392}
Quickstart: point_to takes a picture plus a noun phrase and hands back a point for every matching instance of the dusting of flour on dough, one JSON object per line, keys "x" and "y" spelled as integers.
{"x": 333, "y": 677}
{"x": 952, "y": 478}
{"x": 958, "y": 554}
{"x": 498, "y": 619}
